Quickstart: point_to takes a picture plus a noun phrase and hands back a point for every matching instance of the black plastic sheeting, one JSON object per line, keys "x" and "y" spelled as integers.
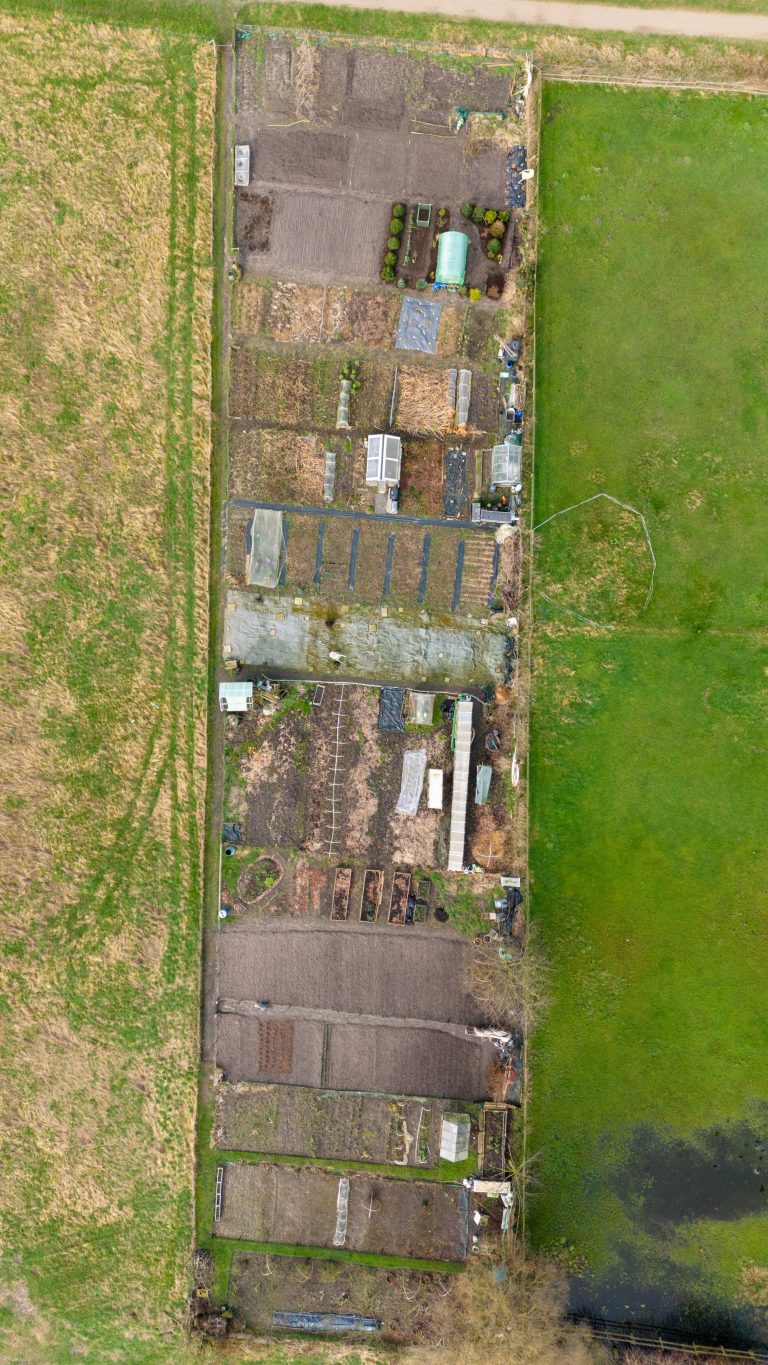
{"x": 325, "y": 1322}
{"x": 455, "y": 489}
{"x": 391, "y": 703}
{"x": 514, "y": 185}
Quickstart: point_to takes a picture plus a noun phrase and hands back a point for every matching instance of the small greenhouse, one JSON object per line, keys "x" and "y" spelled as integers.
{"x": 383, "y": 460}
{"x": 452, "y": 248}
{"x": 506, "y": 465}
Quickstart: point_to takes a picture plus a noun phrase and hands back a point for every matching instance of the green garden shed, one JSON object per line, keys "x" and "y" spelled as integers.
{"x": 452, "y": 250}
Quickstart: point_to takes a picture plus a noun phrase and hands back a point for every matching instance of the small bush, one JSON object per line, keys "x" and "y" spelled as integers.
{"x": 498, "y": 229}
{"x": 396, "y": 227}
{"x": 421, "y": 284}
{"x": 390, "y": 258}
{"x": 399, "y": 211}
{"x": 401, "y": 284}
{"x": 441, "y": 213}
{"x": 475, "y": 294}
{"x": 490, "y": 216}
{"x": 504, "y": 216}
{"x": 494, "y": 248}
{"x": 393, "y": 244}
{"x": 478, "y": 214}
{"x": 387, "y": 273}
{"x": 467, "y": 209}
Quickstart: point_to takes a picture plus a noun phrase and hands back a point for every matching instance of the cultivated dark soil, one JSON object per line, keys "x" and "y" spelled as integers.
{"x": 297, "y": 1206}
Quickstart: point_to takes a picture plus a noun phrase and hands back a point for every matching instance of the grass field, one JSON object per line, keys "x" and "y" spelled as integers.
{"x": 649, "y": 856}
{"x": 105, "y": 248}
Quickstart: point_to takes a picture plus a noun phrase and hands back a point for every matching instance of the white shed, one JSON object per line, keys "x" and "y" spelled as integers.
{"x": 235, "y": 696}
{"x": 385, "y": 454}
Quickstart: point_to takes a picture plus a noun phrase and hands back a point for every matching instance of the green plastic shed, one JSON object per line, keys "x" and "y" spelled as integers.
{"x": 452, "y": 250}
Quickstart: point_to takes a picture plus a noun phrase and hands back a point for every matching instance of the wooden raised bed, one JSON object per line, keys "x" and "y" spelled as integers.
{"x": 398, "y": 901}
{"x": 342, "y": 886}
{"x": 373, "y": 886}
{"x": 492, "y": 1141}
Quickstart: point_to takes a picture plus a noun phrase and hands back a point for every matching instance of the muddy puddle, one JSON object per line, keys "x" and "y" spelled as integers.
{"x": 665, "y": 1183}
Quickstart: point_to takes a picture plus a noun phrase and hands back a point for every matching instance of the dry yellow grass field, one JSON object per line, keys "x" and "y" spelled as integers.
{"x": 105, "y": 185}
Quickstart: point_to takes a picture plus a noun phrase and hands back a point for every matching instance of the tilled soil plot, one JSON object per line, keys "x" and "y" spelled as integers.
{"x": 383, "y": 1059}
{"x": 311, "y": 236}
{"x": 362, "y": 86}
{"x": 335, "y": 1126}
{"x": 246, "y": 1050}
{"x": 419, "y": 1061}
{"x": 401, "y": 1300}
{"x": 349, "y": 967}
{"x": 421, "y": 479}
{"x": 368, "y": 829}
{"x": 298, "y": 1206}
{"x": 272, "y": 766}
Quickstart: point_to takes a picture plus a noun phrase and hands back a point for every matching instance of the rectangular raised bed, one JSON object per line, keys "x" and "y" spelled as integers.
{"x": 398, "y": 901}
{"x": 492, "y": 1141}
{"x": 342, "y": 886}
{"x": 373, "y": 886}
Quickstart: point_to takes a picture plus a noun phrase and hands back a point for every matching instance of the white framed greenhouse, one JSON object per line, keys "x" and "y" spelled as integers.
{"x": 384, "y": 458}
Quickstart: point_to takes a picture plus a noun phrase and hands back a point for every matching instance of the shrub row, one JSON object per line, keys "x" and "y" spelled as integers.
{"x": 396, "y": 226}
{"x": 492, "y": 222}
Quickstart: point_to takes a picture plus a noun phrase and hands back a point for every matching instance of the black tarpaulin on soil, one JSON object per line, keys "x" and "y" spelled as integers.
{"x": 391, "y": 702}
{"x": 514, "y": 185}
{"x": 454, "y": 482}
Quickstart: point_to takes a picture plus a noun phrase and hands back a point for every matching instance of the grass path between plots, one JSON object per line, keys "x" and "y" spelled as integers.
{"x": 648, "y": 861}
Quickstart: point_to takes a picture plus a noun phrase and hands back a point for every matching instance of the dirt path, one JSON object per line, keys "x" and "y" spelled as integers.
{"x": 615, "y": 18}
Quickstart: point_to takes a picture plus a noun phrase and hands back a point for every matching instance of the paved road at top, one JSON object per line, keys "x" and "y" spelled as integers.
{"x": 615, "y": 18}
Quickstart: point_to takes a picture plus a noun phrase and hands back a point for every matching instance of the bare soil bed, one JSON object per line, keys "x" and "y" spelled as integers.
{"x": 309, "y": 236}
{"x": 381, "y": 1059}
{"x": 421, "y": 479}
{"x": 358, "y": 86}
{"x": 298, "y": 1206}
{"x": 330, "y": 153}
{"x": 332, "y": 1125}
{"x": 358, "y": 969}
{"x": 279, "y": 770}
{"x": 400, "y": 1299}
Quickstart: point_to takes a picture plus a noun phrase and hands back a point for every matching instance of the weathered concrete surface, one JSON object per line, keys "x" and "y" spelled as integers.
{"x": 396, "y": 649}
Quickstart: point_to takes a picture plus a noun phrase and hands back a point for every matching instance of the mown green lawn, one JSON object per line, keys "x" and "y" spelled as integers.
{"x": 649, "y": 859}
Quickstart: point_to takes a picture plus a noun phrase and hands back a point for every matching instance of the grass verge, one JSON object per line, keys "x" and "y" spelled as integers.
{"x": 105, "y": 250}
